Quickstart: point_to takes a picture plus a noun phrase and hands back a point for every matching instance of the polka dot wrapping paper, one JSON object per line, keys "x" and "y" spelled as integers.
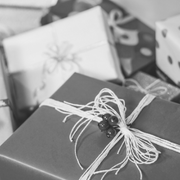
{"x": 168, "y": 47}
{"x": 136, "y": 47}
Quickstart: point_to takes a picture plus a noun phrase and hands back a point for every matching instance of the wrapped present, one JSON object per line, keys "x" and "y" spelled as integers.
{"x": 41, "y": 148}
{"x": 167, "y": 48}
{"x": 40, "y": 61}
{"x": 135, "y": 42}
{"x": 147, "y": 84}
{"x": 150, "y": 11}
{"x": 20, "y": 19}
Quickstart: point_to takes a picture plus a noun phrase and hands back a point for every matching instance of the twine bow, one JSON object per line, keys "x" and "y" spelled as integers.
{"x": 139, "y": 145}
{"x": 57, "y": 56}
{"x": 150, "y": 89}
{"x": 124, "y": 36}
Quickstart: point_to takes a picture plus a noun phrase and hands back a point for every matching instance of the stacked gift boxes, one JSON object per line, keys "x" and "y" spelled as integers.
{"x": 40, "y": 61}
{"x": 97, "y": 89}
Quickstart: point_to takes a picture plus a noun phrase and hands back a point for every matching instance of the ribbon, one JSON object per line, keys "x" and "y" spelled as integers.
{"x": 139, "y": 144}
{"x": 57, "y": 56}
{"x": 124, "y": 36}
{"x": 150, "y": 89}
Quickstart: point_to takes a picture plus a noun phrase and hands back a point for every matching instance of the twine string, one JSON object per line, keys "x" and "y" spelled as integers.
{"x": 139, "y": 148}
{"x": 150, "y": 89}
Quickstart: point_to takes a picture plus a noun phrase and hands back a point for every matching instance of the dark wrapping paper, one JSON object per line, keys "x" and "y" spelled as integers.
{"x": 40, "y": 149}
{"x": 133, "y": 57}
{"x": 172, "y": 93}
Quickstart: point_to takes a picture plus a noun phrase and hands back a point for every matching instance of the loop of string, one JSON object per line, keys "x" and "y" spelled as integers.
{"x": 150, "y": 89}
{"x": 115, "y": 20}
{"x": 139, "y": 145}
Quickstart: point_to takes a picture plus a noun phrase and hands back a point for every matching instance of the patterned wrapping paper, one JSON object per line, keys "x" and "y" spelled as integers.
{"x": 154, "y": 86}
{"x": 168, "y": 47}
{"x": 41, "y": 150}
{"x": 40, "y": 61}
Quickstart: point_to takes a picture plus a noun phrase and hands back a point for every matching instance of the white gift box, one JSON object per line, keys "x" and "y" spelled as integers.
{"x": 19, "y": 20}
{"x": 150, "y": 11}
{"x": 168, "y": 47}
{"x": 41, "y": 60}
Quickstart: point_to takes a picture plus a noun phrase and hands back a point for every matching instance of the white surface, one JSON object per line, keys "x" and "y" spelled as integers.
{"x": 88, "y": 35}
{"x": 169, "y": 46}
{"x": 30, "y": 3}
{"x": 150, "y": 11}
{"x": 19, "y": 19}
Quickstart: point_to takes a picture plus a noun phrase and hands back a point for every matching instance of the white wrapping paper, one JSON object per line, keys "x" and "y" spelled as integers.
{"x": 168, "y": 47}
{"x": 40, "y": 61}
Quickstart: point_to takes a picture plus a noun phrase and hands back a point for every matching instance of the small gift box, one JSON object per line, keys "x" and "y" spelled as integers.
{"x": 150, "y": 11}
{"x": 19, "y": 19}
{"x": 40, "y": 61}
{"x": 167, "y": 48}
{"x": 41, "y": 149}
{"x": 145, "y": 83}
{"x": 135, "y": 42}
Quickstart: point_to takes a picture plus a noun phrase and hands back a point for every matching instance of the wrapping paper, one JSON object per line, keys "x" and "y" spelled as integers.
{"x": 167, "y": 48}
{"x": 41, "y": 150}
{"x": 40, "y": 61}
{"x": 19, "y": 20}
{"x": 150, "y": 11}
{"x": 136, "y": 47}
{"x": 160, "y": 88}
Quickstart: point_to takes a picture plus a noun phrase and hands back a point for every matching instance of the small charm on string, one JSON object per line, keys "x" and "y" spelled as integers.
{"x": 109, "y": 125}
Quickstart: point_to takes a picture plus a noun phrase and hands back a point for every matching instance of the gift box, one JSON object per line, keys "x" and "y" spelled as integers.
{"x": 40, "y": 148}
{"x": 145, "y": 83}
{"x": 135, "y": 41}
{"x": 40, "y": 61}
{"x": 20, "y": 19}
{"x": 149, "y": 11}
{"x": 167, "y": 48}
